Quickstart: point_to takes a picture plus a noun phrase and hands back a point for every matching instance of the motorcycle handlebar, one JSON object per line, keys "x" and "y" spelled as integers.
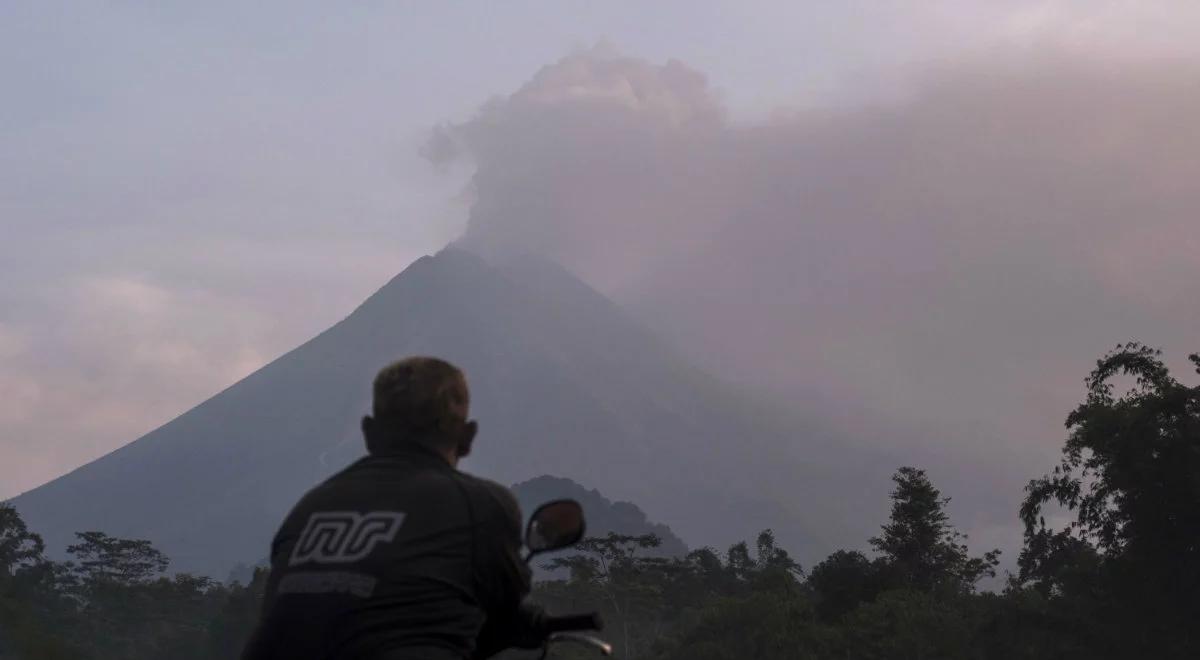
{"x": 589, "y": 621}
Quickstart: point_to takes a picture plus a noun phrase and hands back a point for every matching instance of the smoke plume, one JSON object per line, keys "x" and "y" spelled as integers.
{"x": 938, "y": 272}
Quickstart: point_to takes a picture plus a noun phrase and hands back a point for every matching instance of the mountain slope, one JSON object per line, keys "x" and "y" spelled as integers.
{"x": 563, "y": 383}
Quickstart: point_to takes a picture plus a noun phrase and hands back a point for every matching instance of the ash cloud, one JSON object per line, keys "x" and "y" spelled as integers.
{"x": 937, "y": 273}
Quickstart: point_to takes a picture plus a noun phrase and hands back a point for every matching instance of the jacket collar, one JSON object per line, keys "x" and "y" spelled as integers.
{"x": 413, "y": 450}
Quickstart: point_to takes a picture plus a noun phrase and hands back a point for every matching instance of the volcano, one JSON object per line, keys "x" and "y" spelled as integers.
{"x": 563, "y": 383}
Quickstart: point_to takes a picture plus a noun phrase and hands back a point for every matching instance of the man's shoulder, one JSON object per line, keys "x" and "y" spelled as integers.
{"x": 337, "y": 487}
{"x": 350, "y": 472}
{"x": 487, "y": 487}
{"x": 493, "y": 493}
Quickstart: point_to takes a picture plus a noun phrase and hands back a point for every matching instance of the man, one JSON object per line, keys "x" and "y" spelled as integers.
{"x": 400, "y": 556}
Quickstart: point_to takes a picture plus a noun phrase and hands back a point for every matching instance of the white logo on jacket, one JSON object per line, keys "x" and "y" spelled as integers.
{"x": 343, "y": 537}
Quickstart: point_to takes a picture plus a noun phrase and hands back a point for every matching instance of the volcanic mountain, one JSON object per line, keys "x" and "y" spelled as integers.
{"x": 563, "y": 383}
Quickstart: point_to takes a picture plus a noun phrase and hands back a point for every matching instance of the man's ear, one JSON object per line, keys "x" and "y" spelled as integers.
{"x": 368, "y": 429}
{"x": 468, "y": 436}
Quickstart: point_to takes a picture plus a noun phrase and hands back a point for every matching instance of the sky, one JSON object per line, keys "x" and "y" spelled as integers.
{"x": 924, "y": 219}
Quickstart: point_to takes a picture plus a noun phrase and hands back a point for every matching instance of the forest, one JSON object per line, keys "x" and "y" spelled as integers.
{"x": 1109, "y": 568}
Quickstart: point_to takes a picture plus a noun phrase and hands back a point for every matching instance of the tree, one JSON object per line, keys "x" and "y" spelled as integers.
{"x": 235, "y": 620}
{"x": 919, "y": 547}
{"x": 610, "y": 572}
{"x": 907, "y": 623}
{"x": 26, "y": 591}
{"x": 647, "y": 601}
{"x": 752, "y": 604}
{"x": 1130, "y": 475}
{"x": 18, "y": 546}
{"x": 103, "y": 558}
{"x": 1057, "y": 564}
{"x": 765, "y": 624}
{"x": 842, "y": 582}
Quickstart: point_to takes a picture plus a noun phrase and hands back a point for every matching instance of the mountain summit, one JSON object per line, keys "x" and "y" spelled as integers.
{"x": 562, "y": 381}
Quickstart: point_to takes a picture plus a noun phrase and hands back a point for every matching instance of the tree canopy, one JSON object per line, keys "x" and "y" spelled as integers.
{"x": 1129, "y": 479}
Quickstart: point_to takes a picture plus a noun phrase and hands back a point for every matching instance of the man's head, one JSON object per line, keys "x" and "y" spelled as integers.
{"x": 422, "y": 401}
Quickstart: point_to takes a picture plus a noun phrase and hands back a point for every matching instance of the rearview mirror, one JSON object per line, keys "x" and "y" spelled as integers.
{"x": 554, "y": 525}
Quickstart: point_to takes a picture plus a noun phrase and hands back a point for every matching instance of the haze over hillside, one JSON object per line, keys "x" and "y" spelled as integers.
{"x": 563, "y": 383}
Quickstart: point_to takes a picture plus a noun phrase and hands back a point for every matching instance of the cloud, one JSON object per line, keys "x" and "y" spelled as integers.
{"x": 119, "y": 356}
{"x": 938, "y": 272}
{"x": 178, "y": 206}
{"x": 142, "y": 324}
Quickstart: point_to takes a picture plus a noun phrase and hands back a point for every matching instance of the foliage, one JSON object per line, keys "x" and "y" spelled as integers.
{"x": 845, "y": 580}
{"x": 1130, "y": 475}
{"x": 104, "y": 559}
{"x": 629, "y": 589}
{"x": 18, "y": 546}
{"x": 113, "y": 600}
{"x": 919, "y": 547}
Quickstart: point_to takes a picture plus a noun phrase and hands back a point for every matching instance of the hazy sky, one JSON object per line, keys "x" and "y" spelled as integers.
{"x": 923, "y": 213}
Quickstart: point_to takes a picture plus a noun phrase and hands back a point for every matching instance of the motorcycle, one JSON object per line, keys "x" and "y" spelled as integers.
{"x": 553, "y": 526}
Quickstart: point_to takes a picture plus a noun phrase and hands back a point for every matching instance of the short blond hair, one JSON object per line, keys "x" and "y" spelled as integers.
{"x": 421, "y": 394}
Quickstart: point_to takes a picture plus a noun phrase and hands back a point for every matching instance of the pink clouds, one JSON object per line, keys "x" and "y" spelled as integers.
{"x": 122, "y": 356}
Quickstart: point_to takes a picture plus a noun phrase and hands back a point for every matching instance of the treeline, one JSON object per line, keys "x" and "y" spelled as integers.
{"x": 1110, "y": 568}
{"x": 113, "y": 599}
{"x": 1118, "y": 576}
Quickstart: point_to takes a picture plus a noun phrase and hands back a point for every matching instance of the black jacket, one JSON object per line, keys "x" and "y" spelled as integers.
{"x": 397, "y": 553}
